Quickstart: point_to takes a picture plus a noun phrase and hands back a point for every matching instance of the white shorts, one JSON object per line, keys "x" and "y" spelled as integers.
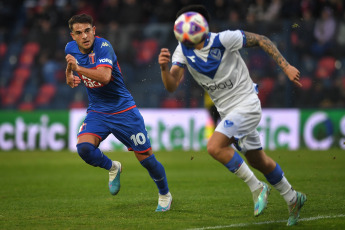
{"x": 241, "y": 123}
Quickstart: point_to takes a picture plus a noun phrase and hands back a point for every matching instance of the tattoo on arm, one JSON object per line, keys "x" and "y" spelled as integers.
{"x": 251, "y": 39}
{"x": 267, "y": 45}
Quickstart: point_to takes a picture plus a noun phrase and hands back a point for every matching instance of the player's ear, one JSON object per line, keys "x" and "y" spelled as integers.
{"x": 72, "y": 35}
{"x": 94, "y": 30}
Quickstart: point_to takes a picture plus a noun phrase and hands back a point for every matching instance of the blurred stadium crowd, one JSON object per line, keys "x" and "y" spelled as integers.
{"x": 33, "y": 34}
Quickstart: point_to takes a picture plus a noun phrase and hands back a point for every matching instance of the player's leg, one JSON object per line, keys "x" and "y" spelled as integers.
{"x": 90, "y": 153}
{"x": 158, "y": 175}
{"x": 93, "y": 130}
{"x": 129, "y": 128}
{"x": 219, "y": 148}
{"x": 275, "y": 176}
{"x": 234, "y": 129}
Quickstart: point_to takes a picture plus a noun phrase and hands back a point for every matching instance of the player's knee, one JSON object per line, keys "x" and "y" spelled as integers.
{"x": 212, "y": 149}
{"x": 85, "y": 152}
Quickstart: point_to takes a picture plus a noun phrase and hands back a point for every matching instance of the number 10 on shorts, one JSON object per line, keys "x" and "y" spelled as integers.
{"x": 138, "y": 139}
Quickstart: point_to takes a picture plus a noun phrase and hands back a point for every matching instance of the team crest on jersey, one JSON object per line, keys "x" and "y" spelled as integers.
{"x": 82, "y": 127}
{"x": 216, "y": 54}
{"x": 92, "y": 58}
{"x": 104, "y": 44}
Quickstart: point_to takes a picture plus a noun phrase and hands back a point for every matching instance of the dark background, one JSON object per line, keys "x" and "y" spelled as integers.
{"x": 33, "y": 34}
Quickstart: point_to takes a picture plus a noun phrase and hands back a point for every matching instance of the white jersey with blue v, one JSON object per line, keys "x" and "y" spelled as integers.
{"x": 219, "y": 68}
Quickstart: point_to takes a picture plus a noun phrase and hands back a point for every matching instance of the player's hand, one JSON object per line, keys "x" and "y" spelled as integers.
{"x": 164, "y": 58}
{"x": 71, "y": 80}
{"x": 71, "y": 63}
{"x": 293, "y": 74}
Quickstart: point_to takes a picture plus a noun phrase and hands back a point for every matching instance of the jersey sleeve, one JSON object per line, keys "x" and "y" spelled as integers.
{"x": 178, "y": 58}
{"x": 233, "y": 40}
{"x": 67, "y": 48}
{"x": 105, "y": 54}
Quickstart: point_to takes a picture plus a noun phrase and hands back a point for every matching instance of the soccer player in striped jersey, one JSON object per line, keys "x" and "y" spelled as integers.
{"x": 217, "y": 66}
{"x": 111, "y": 110}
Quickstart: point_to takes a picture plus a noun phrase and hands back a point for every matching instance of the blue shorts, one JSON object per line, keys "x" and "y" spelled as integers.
{"x": 128, "y": 127}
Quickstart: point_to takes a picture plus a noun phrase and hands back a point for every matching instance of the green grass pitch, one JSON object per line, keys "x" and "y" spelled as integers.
{"x": 57, "y": 190}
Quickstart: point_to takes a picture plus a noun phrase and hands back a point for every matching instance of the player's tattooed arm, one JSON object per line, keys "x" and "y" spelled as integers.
{"x": 268, "y": 46}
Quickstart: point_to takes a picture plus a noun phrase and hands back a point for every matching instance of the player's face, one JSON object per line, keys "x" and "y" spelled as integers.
{"x": 198, "y": 46}
{"x": 84, "y": 35}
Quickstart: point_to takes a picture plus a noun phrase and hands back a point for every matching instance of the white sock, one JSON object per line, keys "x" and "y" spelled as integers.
{"x": 248, "y": 177}
{"x": 286, "y": 190}
{"x": 113, "y": 166}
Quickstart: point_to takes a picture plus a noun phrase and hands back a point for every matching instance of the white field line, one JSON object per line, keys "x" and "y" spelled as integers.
{"x": 267, "y": 222}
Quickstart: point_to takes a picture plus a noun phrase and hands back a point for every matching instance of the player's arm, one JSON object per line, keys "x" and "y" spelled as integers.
{"x": 267, "y": 45}
{"x": 171, "y": 78}
{"x": 101, "y": 74}
{"x": 71, "y": 80}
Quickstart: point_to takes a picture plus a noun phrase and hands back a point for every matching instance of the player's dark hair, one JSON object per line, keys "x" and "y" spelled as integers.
{"x": 195, "y": 8}
{"x": 80, "y": 18}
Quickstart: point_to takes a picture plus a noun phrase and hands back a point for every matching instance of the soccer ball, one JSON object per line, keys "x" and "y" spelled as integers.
{"x": 190, "y": 28}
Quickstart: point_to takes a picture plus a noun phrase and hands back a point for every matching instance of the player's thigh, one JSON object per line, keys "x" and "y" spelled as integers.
{"x": 94, "y": 129}
{"x": 219, "y": 140}
{"x": 89, "y": 138}
{"x": 129, "y": 128}
{"x": 241, "y": 121}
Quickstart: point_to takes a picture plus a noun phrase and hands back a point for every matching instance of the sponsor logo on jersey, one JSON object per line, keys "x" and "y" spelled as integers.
{"x": 92, "y": 58}
{"x": 89, "y": 83}
{"x": 106, "y": 60}
{"x": 228, "y": 123}
{"x": 192, "y": 58}
{"x": 216, "y": 54}
{"x": 104, "y": 44}
{"x": 218, "y": 86}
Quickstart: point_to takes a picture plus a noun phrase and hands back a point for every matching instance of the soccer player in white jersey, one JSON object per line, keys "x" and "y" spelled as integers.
{"x": 217, "y": 66}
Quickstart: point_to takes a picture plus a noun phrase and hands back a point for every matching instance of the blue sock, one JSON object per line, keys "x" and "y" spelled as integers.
{"x": 235, "y": 162}
{"x": 275, "y": 176}
{"x": 157, "y": 173}
{"x": 93, "y": 155}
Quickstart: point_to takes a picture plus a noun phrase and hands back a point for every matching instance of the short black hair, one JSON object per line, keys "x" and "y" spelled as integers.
{"x": 80, "y": 18}
{"x": 195, "y": 8}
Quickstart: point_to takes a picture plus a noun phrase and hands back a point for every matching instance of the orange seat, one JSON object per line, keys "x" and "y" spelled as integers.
{"x": 12, "y": 96}
{"x": 26, "y": 59}
{"x": 77, "y": 105}
{"x": 265, "y": 88}
{"x": 45, "y": 94}
{"x": 146, "y": 50}
{"x": 31, "y": 47}
{"x": 3, "y": 49}
{"x": 26, "y": 106}
{"x": 21, "y": 74}
{"x": 306, "y": 83}
{"x": 325, "y": 67}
